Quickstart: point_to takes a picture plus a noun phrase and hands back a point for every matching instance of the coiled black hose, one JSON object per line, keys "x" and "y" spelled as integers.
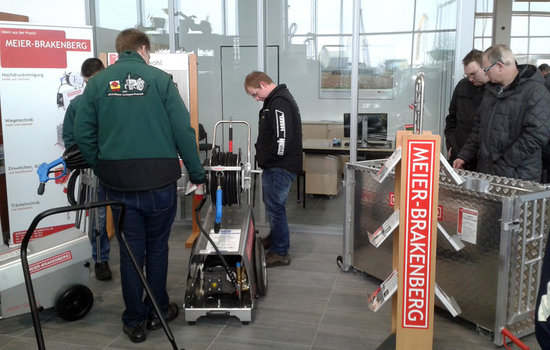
{"x": 229, "y": 181}
{"x": 71, "y": 185}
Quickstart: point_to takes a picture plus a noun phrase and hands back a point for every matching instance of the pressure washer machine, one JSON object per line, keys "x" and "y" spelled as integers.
{"x": 59, "y": 262}
{"x": 227, "y": 268}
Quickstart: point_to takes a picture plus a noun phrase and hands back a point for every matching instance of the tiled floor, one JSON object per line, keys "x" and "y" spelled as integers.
{"x": 311, "y": 304}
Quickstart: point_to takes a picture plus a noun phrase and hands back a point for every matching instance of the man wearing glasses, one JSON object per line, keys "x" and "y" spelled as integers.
{"x": 513, "y": 121}
{"x": 464, "y": 104}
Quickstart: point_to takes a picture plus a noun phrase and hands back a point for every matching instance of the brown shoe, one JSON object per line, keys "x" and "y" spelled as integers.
{"x": 266, "y": 242}
{"x": 154, "y": 322}
{"x": 102, "y": 271}
{"x": 274, "y": 259}
{"x": 136, "y": 333}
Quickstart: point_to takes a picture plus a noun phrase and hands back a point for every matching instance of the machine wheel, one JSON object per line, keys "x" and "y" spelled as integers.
{"x": 261, "y": 267}
{"x": 74, "y": 302}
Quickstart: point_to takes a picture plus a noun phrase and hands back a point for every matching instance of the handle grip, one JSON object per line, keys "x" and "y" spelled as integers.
{"x": 44, "y": 169}
{"x": 41, "y": 188}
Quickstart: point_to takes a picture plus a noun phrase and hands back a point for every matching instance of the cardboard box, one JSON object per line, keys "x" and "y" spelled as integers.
{"x": 323, "y": 174}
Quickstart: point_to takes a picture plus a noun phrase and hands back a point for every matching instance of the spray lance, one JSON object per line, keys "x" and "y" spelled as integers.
{"x": 71, "y": 159}
{"x": 219, "y": 194}
{"x": 44, "y": 171}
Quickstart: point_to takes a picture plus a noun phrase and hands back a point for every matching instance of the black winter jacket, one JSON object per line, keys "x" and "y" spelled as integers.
{"x": 279, "y": 143}
{"x": 462, "y": 111}
{"x": 547, "y": 81}
{"x": 511, "y": 127}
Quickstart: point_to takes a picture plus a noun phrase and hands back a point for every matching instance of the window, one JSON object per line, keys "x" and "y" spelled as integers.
{"x": 529, "y": 36}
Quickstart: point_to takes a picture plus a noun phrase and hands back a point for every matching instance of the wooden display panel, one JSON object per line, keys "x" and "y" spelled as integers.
{"x": 417, "y": 185}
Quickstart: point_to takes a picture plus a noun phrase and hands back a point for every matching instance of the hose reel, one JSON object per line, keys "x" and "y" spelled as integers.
{"x": 228, "y": 181}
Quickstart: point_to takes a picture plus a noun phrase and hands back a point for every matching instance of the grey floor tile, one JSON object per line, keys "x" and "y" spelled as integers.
{"x": 230, "y": 343}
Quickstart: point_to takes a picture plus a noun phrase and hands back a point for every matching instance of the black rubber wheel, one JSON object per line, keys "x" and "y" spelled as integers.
{"x": 74, "y": 302}
{"x": 261, "y": 267}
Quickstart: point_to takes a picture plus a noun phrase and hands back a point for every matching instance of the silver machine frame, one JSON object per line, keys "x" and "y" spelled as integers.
{"x": 208, "y": 291}
{"x": 57, "y": 262}
{"x": 494, "y": 281}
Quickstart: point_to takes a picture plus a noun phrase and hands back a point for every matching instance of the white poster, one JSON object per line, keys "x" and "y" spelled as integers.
{"x": 40, "y": 74}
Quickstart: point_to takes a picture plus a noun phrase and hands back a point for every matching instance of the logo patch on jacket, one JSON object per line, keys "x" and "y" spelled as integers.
{"x": 134, "y": 85}
{"x": 281, "y": 132}
{"x": 115, "y": 85}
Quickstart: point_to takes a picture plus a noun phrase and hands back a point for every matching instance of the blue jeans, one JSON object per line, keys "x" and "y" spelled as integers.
{"x": 104, "y": 244}
{"x": 147, "y": 225}
{"x": 275, "y": 186}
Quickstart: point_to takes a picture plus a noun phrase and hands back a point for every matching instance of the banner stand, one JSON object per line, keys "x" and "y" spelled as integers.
{"x": 414, "y": 249}
{"x": 416, "y": 163}
{"x": 40, "y": 66}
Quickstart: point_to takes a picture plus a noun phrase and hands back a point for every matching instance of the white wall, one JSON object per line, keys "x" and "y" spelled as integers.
{"x": 54, "y": 12}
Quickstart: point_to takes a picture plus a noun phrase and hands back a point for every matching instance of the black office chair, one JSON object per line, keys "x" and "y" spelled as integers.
{"x": 301, "y": 175}
{"x": 205, "y": 146}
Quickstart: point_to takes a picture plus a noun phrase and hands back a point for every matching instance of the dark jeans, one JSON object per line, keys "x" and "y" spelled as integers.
{"x": 147, "y": 225}
{"x": 275, "y": 186}
{"x": 104, "y": 246}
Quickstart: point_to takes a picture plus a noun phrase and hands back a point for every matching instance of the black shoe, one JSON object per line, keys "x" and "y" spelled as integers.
{"x": 102, "y": 271}
{"x": 266, "y": 242}
{"x": 274, "y": 259}
{"x": 154, "y": 322}
{"x": 136, "y": 333}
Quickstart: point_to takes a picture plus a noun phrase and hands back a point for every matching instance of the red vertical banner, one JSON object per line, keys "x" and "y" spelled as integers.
{"x": 417, "y": 259}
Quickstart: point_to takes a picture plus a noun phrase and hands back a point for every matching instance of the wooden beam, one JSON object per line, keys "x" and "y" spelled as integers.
{"x": 194, "y": 113}
{"x": 4, "y": 16}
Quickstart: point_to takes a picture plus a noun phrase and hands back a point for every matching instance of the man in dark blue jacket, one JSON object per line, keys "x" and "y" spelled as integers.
{"x": 279, "y": 154}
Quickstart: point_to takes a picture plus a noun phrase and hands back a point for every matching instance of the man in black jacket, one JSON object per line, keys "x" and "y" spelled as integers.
{"x": 279, "y": 154}
{"x": 513, "y": 121}
{"x": 464, "y": 104}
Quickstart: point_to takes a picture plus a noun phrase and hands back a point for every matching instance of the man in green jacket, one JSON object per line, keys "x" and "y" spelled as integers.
{"x": 131, "y": 126}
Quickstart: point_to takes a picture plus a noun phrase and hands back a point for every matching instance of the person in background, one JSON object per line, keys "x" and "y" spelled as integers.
{"x": 131, "y": 127}
{"x": 513, "y": 121}
{"x": 89, "y": 68}
{"x": 464, "y": 104}
{"x": 542, "y": 310}
{"x": 545, "y": 69}
{"x": 279, "y": 154}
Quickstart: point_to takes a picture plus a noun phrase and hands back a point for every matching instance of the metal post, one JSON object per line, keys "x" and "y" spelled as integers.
{"x": 261, "y": 34}
{"x": 354, "y": 82}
